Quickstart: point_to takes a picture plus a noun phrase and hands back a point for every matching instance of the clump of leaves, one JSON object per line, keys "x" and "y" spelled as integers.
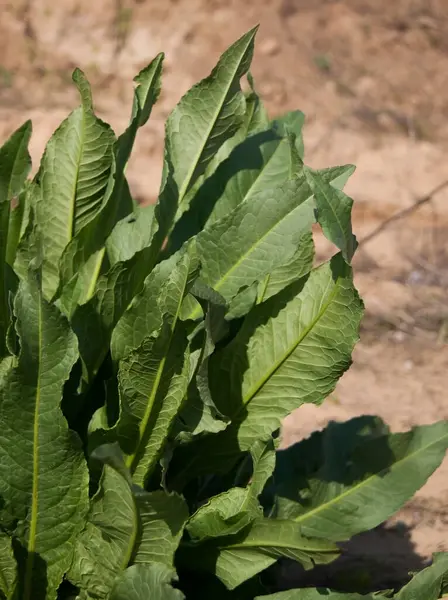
{"x": 150, "y": 353}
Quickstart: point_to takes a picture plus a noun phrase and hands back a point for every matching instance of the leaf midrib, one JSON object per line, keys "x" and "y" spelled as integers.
{"x": 217, "y": 286}
{"x": 71, "y": 216}
{"x": 266, "y": 543}
{"x": 365, "y": 482}
{"x": 35, "y": 486}
{"x": 184, "y": 188}
{"x": 261, "y": 382}
{"x": 4, "y": 247}
{"x": 151, "y": 399}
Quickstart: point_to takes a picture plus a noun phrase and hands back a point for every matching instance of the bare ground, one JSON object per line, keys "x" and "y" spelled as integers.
{"x": 372, "y": 78}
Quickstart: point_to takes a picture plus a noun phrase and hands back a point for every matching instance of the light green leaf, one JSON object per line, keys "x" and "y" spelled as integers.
{"x": 255, "y": 238}
{"x": 163, "y": 292}
{"x": 43, "y": 476}
{"x": 8, "y": 566}
{"x": 141, "y": 582}
{"x": 255, "y": 121}
{"x": 106, "y": 545}
{"x": 154, "y": 369}
{"x": 15, "y": 164}
{"x": 153, "y": 382}
{"x": 240, "y": 557}
{"x": 126, "y": 525}
{"x": 302, "y": 261}
{"x": 291, "y": 349}
{"x": 209, "y": 114}
{"x": 163, "y": 517}
{"x": 291, "y": 122}
{"x": 74, "y": 177}
{"x": 131, "y": 235}
{"x": 427, "y": 585}
{"x": 333, "y": 214}
{"x": 344, "y": 472}
{"x": 287, "y": 274}
{"x": 116, "y": 202}
{"x": 261, "y": 162}
{"x": 300, "y": 264}
{"x": 94, "y": 321}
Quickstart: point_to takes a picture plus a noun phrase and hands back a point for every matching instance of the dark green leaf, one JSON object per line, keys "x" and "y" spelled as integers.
{"x": 15, "y": 164}
{"x": 43, "y": 476}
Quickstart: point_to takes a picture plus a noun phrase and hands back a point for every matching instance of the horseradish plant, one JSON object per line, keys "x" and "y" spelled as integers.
{"x": 150, "y": 353}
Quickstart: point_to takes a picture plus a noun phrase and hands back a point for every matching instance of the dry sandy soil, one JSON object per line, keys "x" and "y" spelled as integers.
{"x": 372, "y": 78}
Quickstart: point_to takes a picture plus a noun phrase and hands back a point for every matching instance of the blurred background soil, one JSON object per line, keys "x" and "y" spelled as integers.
{"x": 372, "y": 78}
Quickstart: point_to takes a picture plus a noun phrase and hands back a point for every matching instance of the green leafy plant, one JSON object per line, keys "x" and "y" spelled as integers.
{"x": 150, "y": 353}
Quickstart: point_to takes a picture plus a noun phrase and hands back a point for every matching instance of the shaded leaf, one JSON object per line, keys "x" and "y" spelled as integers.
{"x": 8, "y": 566}
{"x": 43, "y": 476}
{"x": 255, "y": 549}
{"x": 141, "y": 582}
{"x": 15, "y": 164}
{"x": 330, "y": 483}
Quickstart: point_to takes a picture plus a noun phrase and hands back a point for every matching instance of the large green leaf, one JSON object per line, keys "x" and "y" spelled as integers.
{"x": 162, "y": 295}
{"x": 43, "y": 476}
{"x": 106, "y": 545}
{"x": 255, "y": 238}
{"x": 82, "y": 261}
{"x": 255, "y": 120}
{"x": 330, "y": 483}
{"x": 74, "y": 177}
{"x": 126, "y": 525}
{"x": 94, "y": 321}
{"x": 260, "y": 162}
{"x": 154, "y": 370}
{"x": 163, "y": 517}
{"x": 153, "y": 382}
{"x": 141, "y": 582}
{"x": 209, "y": 114}
{"x": 117, "y": 201}
{"x": 251, "y": 163}
{"x": 15, "y": 164}
{"x": 291, "y": 349}
{"x": 238, "y": 558}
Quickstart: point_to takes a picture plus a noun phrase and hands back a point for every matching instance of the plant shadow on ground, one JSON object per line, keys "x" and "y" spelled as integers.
{"x": 379, "y": 559}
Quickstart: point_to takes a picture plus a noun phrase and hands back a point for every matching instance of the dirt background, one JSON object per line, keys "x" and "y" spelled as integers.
{"x": 372, "y": 78}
